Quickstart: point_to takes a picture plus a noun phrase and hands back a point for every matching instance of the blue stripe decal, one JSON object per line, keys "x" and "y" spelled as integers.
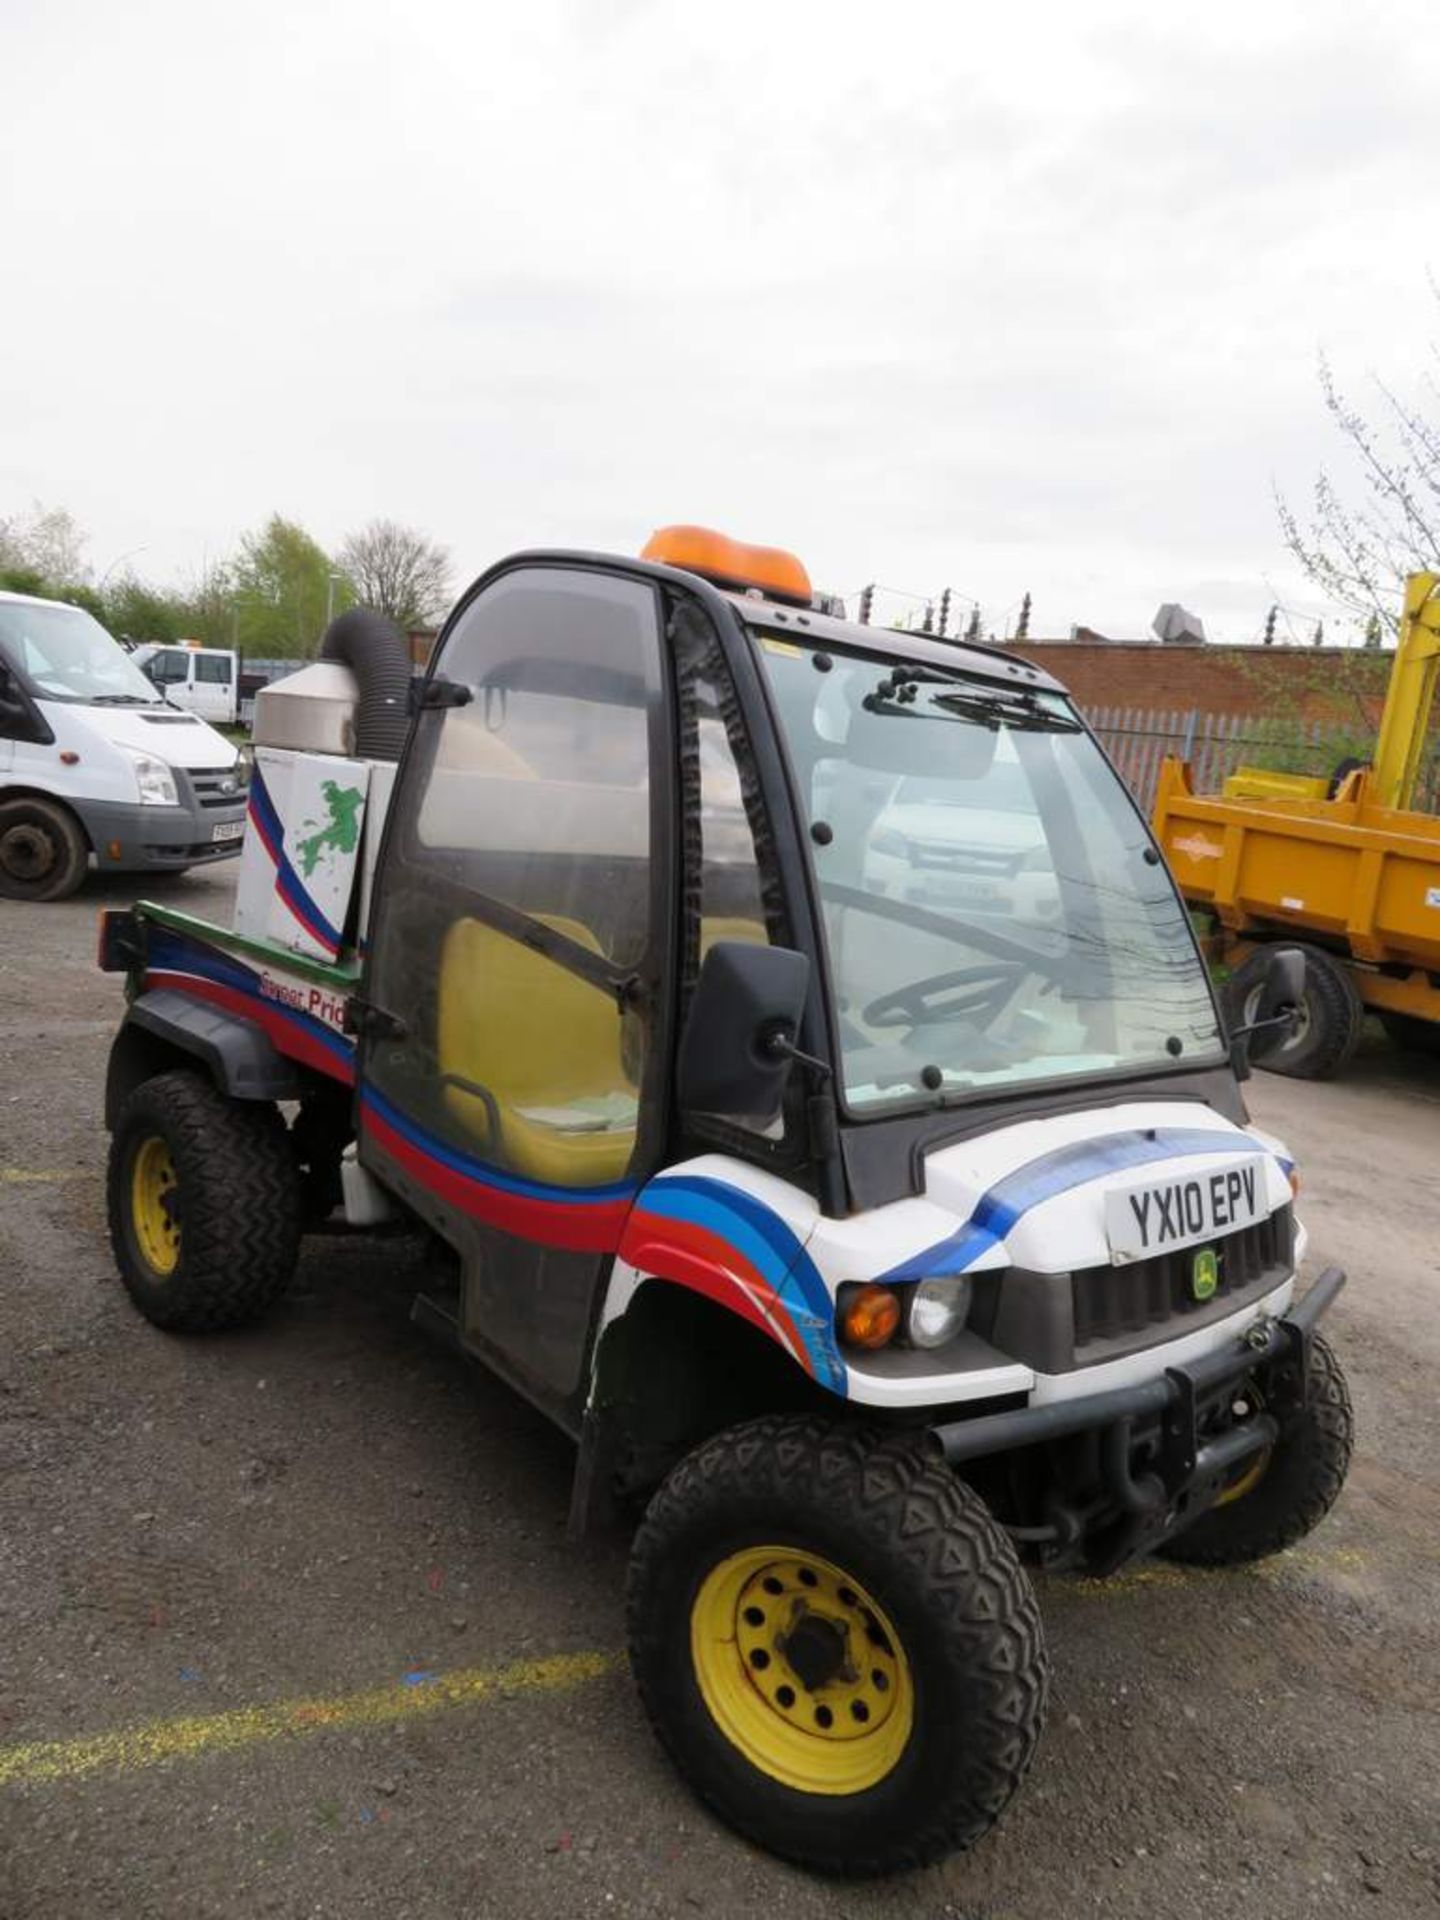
{"x": 472, "y": 1169}
{"x": 763, "y": 1239}
{"x": 176, "y": 953}
{"x": 173, "y": 953}
{"x": 263, "y": 808}
{"x": 287, "y": 882}
{"x": 997, "y": 1212}
{"x": 707, "y": 1198}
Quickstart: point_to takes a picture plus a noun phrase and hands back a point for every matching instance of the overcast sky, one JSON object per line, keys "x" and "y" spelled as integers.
{"x": 998, "y": 297}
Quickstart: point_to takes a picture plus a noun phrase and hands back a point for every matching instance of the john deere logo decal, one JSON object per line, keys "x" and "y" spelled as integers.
{"x": 1205, "y": 1274}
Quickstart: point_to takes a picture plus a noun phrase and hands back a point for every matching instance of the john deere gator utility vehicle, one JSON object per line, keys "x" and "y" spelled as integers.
{"x": 877, "y": 1225}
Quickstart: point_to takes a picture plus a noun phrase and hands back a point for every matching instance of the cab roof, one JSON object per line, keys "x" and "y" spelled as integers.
{"x": 993, "y": 663}
{"x": 990, "y": 663}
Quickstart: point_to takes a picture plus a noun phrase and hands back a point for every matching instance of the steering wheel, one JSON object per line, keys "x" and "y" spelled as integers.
{"x": 969, "y": 991}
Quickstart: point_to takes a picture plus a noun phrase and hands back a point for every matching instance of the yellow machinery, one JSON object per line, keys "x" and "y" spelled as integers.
{"x": 1354, "y": 874}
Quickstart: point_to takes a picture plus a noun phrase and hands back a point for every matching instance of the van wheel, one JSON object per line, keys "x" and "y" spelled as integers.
{"x": 1412, "y": 1034}
{"x": 836, "y": 1645}
{"x": 1287, "y": 1492}
{"x": 204, "y": 1204}
{"x": 1331, "y": 1014}
{"x": 43, "y": 853}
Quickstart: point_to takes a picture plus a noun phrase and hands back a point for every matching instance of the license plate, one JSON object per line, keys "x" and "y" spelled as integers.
{"x": 228, "y": 830}
{"x": 1186, "y": 1208}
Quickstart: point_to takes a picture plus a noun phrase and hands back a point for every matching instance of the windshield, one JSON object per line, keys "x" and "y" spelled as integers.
{"x": 995, "y": 911}
{"x": 61, "y": 653}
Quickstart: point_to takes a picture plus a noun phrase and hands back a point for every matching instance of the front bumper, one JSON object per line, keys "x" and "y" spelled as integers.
{"x": 1158, "y": 1466}
{"x": 130, "y": 838}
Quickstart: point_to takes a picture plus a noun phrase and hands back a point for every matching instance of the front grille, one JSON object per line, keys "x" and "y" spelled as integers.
{"x": 942, "y": 857}
{"x": 208, "y": 784}
{"x": 1112, "y": 1303}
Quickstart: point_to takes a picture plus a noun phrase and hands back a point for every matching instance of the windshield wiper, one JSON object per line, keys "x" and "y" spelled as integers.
{"x": 896, "y": 693}
{"x": 1007, "y": 708}
{"x": 124, "y": 700}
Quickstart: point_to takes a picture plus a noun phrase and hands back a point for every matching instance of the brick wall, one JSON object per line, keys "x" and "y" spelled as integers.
{"x": 1312, "y": 683}
{"x": 1340, "y": 684}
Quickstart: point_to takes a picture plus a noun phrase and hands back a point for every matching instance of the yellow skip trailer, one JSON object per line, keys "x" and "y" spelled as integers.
{"x": 1353, "y": 875}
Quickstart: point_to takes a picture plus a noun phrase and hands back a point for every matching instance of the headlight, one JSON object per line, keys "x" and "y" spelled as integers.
{"x": 155, "y": 781}
{"x": 937, "y": 1310}
{"x": 245, "y": 762}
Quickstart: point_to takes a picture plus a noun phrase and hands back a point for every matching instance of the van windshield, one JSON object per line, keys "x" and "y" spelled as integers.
{"x": 995, "y": 912}
{"x": 62, "y": 653}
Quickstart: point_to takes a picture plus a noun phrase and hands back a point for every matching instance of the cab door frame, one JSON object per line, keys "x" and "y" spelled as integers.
{"x": 512, "y": 1237}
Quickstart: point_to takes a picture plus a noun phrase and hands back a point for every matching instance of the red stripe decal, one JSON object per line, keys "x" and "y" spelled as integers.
{"x": 289, "y": 1033}
{"x": 694, "y": 1257}
{"x": 584, "y": 1226}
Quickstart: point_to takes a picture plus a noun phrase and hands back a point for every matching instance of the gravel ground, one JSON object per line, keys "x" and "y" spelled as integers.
{"x": 326, "y": 1505}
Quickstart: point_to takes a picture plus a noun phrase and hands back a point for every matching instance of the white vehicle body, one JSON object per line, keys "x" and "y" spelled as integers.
{"x": 152, "y": 788}
{"x": 203, "y": 680}
{"x": 1037, "y": 1198}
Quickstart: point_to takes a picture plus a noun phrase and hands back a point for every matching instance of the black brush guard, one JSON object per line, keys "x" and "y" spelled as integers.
{"x": 1182, "y": 1469}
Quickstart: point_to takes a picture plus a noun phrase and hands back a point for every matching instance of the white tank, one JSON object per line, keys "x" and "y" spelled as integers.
{"x": 312, "y": 711}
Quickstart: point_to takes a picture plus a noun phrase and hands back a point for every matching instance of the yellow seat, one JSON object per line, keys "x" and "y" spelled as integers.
{"x": 545, "y": 1047}
{"x": 719, "y": 926}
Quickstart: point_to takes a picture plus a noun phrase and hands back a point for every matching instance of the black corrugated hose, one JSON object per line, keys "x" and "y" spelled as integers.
{"x": 378, "y": 654}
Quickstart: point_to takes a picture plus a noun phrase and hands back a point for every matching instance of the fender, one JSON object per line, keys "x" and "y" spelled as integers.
{"x": 239, "y": 1056}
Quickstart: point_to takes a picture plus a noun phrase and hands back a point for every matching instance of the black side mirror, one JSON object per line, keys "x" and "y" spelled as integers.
{"x": 1274, "y": 1013}
{"x": 19, "y": 719}
{"x": 739, "y": 1038}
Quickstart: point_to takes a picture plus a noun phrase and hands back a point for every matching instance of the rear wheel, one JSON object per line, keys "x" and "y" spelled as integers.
{"x": 204, "y": 1204}
{"x": 1331, "y": 1014}
{"x": 1279, "y": 1498}
{"x": 44, "y": 854}
{"x": 836, "y": 1645}
{"x": 1411, "y": 1033}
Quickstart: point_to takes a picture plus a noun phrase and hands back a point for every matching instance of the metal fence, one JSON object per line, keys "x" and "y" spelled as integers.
{"x": 270, "y": 670}
{"x": 1215, "y": 744}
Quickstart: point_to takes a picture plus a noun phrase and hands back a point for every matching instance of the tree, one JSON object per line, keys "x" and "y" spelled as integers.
{"x": 47, "y": 542}
{"x": 398, "y": 572}
{"x": 211, "y": 606}
{"x": 284, "y": 587}
{"x": 139, "y": 613}
{"x": 1358, "y": 548}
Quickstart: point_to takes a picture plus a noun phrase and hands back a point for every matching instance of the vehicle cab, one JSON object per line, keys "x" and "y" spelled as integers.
{"x": 1010, "y": 1126}
{"x": 94, "y": 763}
{"x": 203, "y": 680}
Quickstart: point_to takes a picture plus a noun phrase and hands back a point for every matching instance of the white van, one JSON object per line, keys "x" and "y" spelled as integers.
{"x": 203, "y": 680}
{"x": 92, "y": 761}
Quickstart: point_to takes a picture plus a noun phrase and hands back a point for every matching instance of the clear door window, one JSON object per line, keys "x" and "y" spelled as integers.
{"x": 212, "y": 669}
{"x": 521, "y": 921}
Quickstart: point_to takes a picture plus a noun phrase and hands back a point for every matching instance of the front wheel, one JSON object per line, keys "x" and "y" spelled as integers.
{"x": 1282, "y": 1496}
{"x": 836, "y": 1644}
{"x": 44, "y": 855}
{"x": 204, "y": 1203}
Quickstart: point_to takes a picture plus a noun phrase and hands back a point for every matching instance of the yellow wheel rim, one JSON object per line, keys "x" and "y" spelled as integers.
{"x": 1248, "y": 1481}
{"x": 1249, "y": 1477}
{"x": 801, "y": 1670}
{"x": 154, "y": 1209}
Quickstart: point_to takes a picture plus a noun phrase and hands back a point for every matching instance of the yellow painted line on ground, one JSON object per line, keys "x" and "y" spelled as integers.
{"x": 27, "y": 1176}
{"x": 125, "y": 1751}
{"x": 1159, "y": 1575}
